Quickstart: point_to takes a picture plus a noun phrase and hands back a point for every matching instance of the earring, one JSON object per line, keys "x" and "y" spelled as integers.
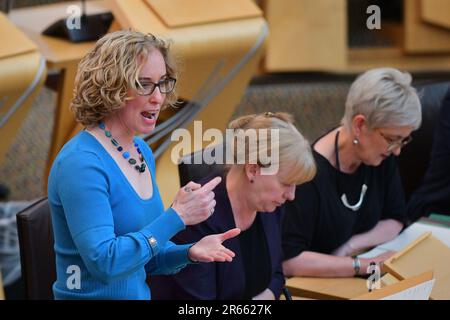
{"x": 251, "y": 180}
{"x": 355, "y": 141}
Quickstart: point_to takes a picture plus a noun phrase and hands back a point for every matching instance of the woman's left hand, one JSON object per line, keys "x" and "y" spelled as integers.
{"x": 210, "y": 248}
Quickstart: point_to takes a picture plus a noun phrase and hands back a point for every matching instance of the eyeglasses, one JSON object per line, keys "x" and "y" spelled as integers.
{"x": 146, "y": 87}
{"x": 392, "y": 144}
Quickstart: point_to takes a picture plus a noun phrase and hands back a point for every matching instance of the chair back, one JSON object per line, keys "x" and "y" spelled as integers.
{"x": 37, "y": 256}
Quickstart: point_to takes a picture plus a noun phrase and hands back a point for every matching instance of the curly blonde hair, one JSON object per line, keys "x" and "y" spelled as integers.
{"x": 106, "y": 74}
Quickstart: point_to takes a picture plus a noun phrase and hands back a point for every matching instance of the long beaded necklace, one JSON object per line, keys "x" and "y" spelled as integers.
{"x": 125, "y": 154}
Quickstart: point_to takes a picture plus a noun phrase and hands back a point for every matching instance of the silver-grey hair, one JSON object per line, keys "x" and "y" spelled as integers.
{"x": 385, "y": 97}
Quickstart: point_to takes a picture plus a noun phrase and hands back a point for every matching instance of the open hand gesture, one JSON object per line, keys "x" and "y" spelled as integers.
{"x": 210, "y": 248}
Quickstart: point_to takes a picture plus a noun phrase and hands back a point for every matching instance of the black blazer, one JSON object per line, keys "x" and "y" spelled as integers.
{"x": 433, "y": 195}
{"x": 220, "y": 280}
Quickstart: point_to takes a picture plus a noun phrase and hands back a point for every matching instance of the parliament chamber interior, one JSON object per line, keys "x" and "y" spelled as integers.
{"x": 234, "y": 58}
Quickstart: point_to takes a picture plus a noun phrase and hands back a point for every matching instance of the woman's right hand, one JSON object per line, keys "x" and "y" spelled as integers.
{"x": 379, "y": 260}
{"x": 195, "y": 203}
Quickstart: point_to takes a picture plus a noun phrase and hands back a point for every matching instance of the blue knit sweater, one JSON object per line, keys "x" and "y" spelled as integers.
{"x": 102, "y": 226}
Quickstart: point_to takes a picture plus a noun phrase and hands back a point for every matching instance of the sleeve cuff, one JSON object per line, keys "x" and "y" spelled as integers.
{"x": 162, "y": 229}
{"x": 181, "y": 256}
{"x": 276, "y": 290}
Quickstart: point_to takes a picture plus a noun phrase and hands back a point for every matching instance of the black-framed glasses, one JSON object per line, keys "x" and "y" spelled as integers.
{"x": 146, "y": 87}
{"x": 392, "y": 144}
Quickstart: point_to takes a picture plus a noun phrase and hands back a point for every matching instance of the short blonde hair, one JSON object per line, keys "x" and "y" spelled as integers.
{"x": 294, "y": 149}
{"x": 385, "y": 97}
{"x": 112, "y": 68}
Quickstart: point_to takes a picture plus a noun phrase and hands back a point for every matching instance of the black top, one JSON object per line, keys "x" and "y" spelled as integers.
{"x": 433, "y": 195}
{"x": 318, "y": 221}
{"x": 256, "y": 260}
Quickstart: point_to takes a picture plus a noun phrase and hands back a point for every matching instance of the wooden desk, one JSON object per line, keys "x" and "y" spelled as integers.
{"x": 298, "y": 29}
{"x": 59, "y": 54}
{"x": 326, "y": 288}
{"x": 22, "y": 74}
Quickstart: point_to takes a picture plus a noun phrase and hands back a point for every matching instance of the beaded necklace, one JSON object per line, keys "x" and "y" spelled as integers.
{"x": 125, "y": 154}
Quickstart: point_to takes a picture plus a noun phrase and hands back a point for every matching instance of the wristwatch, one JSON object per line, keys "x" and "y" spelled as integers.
{"x": 356, "y": 265}
{"x": 152, "y": 242}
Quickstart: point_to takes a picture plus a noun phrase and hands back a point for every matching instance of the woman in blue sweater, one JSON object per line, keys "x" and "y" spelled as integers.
{"x": 110, "y": 226}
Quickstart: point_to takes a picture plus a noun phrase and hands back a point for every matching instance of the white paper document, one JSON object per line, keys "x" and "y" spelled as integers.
{"x": 421, "y": 291}
{"x": 409, "y": 235}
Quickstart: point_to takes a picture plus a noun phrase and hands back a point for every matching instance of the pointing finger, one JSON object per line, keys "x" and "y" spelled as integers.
{"x": 211, "y": 184}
